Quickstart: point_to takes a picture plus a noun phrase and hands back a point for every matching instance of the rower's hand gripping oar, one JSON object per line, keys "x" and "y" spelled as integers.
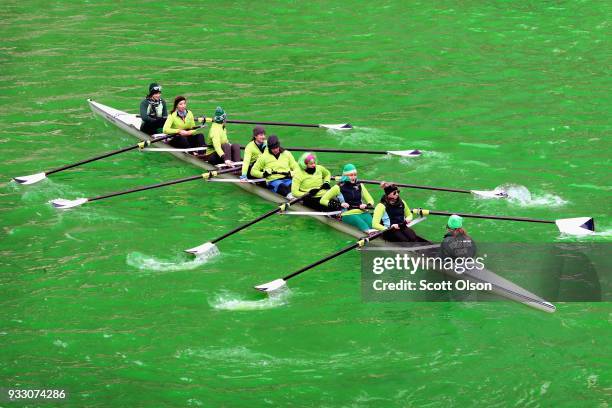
{"x": 63, "y": 204}
{"x": 209, "y": 248}
{"x": 35, "y": 178}
{"x": 571, "y": 226}
{"x": 281, "y": 283}
{"x": 497, "y": 193}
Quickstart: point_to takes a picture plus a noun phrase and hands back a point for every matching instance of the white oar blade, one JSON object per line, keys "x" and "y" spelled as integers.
{"x": 207, "y": 249}
{"x": 63, "y": 204}
{"x": 341, "y": 126}
{"x": 405, "y": 153}
{"x": 31, "y": 179}
{"x": 576, "y": 226}
{"x": 495, "y": 194}
{"x": 273, "y": 286}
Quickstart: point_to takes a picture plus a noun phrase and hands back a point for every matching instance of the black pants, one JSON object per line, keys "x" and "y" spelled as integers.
{"x": 315, "y": 204}
{"x": 186, "y": 142}
{"x": 150, "y": 128}
{"x": 402, "y": 235}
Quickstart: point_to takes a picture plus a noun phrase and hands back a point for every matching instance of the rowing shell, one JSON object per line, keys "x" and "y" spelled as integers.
{"x": 130, "y": 123}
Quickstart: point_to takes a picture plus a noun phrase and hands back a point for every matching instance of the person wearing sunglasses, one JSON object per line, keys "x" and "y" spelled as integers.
{"x": 353, "y": 197}
{"x": 392, "y": 215}
{"x": 153, "y": 111}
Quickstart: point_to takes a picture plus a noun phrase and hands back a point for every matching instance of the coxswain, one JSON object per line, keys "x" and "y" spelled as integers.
{"x": 457, "y": 243}
{"x": 311, "y": 180}
{"x": 181, "y": 124}
{"x": 275, "y": 165}
{"x": 153, "y": 111}
{"x": 353, "y": 198}
{"x": 252, "y": 151}
{"x": 220, "y": 150}
{"x": 392, "y": 215}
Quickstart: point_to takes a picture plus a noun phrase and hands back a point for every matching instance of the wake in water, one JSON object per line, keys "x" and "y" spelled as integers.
{"x": 151, "y": 263}
{"x": 521, "y": 196}
{"x": 228, "y": 301}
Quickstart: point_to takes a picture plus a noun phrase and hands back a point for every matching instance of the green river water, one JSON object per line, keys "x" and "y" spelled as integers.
{"x": 101, "y": 302}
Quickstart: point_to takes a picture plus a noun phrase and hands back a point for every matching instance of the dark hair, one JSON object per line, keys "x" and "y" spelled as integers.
{"x": 461, "y": 231}
{"x": 177, "y": 100}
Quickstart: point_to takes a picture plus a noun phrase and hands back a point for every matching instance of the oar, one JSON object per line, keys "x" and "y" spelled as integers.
{"x": 401, "y": 153}
{"x": 63, "y": 204}
{"x": 572, "y": 226}
{"x": 340, "y": 126}
{"x": 480, "y": 193}
{"x": 210, "y": 249}
{"x": 35, "y": 178}
{"x": 278, "y": 284}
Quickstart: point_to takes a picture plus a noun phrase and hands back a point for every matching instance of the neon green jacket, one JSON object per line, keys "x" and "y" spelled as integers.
{"x": 380, "y": 219}
{"x": 303, "y": 182}
{"x": 267, "y": 162}
{"x": 251, "y": 154}
{"x": 217, "y": 135}
{"x": 335, "y": 192}
{"x": 174, "y": 123}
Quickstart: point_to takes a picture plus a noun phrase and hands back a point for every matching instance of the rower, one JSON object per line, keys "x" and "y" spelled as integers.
{"x": 153, "y": 111}
{"x": 181, "y": 123}
{"x": 220, "y": 150}
{"x": 457, "y": 243}
{"x": 392, "y": 215}
{"x": 353, "y": 197}
{"x": 275, "y": 165}
{"x": 252, "y": 151}
{"x": 311, "y": 180}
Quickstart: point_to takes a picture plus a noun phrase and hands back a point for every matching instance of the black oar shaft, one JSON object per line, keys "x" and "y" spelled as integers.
{"x": 492, "y": 217}
{"x": 324, "y": 150}
{"x": 453, "y": 190}
{"x": 165, "y": 183}
{"x": 102, "y": 156}
{"x": 256, "y": 220}
{"x": 250, "y": 122}
{"x": 332, "y": 256}
{"x": 149, "y": 187}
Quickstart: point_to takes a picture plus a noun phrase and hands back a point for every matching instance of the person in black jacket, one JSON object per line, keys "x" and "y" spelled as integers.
{"x": 153, "y": 111}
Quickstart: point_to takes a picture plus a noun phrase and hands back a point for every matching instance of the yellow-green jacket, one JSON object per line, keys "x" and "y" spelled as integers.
{"x": 334, "y": 192}
{"x": 174, "y": 123}
{"x": 251, "y": 154}
{"x": 217, "y": 135}
{"x": 380, "y": 219}
{"x": 267, "y": 162}
{"x": 303, "y": 182}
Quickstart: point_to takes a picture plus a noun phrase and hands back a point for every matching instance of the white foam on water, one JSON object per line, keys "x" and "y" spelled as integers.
{"x": 228, "y": 301}
{"x": 520, "y": 195}
{"x": 150, "y": 263}
{"x": 480, "y": 145}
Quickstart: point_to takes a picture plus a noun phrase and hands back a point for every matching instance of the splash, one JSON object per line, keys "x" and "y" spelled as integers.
{"x": 520, "y": 195}
{"x": 228, "y": 301}
{"x": 151, "y": 263}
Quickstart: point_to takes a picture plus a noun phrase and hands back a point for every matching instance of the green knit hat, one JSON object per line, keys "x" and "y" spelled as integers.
{"x": 347, "y": 169}
{"x": 306, "y": 158}
{"x": 454, "y": 222}
{"x": 220, "y": 115}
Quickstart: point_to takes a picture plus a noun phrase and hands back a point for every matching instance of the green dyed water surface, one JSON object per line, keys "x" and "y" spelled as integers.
{"x": 101, "y": 301}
